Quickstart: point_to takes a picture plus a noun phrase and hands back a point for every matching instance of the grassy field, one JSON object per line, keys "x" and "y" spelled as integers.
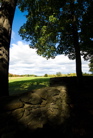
{"x": 18, "y": 85}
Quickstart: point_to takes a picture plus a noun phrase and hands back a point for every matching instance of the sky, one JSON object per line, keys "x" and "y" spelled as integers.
{"x": 24, "y": 60}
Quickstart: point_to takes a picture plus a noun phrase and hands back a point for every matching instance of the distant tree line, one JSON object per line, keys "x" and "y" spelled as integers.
{"x": 59, "y": 74}
{"x": 25, "y": 75}
{"x": 91, "y": 65}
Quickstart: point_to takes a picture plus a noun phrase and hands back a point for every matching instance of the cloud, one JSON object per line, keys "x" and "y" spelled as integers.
{"x": 24, "y": 60}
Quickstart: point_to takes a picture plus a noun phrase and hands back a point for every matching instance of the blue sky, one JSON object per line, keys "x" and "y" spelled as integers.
{"x": 24, "y": 60}
{"x": 19, "y": 19}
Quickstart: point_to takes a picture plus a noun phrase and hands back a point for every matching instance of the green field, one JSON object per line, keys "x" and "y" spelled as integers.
{"x": 18, "y": 85}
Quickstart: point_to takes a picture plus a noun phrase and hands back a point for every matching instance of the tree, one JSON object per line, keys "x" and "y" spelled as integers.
{"x": 91, "y": 65}
{"x": 54, "y": 27}
{"x": 7, "y": 9}
{"x": 58, "y": 74}
{"x": 46, "y": 75}
{"x": 86, "y": 40}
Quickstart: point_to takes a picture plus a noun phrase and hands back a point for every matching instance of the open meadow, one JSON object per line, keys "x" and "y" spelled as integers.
{"x": 18, "y": 85}
{"x": 23, "y": 84}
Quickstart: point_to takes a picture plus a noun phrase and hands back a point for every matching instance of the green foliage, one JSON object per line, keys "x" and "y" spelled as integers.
{"x": 49, "y": 26}
{"x": 52, "y": 19}
{"x": 25, "y": 75}
{"x": 58, "y": 74}
{"x": 46, "y": 75}
{"x": 91, "y": 65}
{"x": 87, "y": 33}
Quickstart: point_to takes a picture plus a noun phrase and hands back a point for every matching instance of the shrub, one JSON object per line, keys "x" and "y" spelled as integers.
{"x": 46, "y": 75}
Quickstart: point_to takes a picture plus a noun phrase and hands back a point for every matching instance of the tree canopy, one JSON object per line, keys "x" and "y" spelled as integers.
{"x": 49, "y": 25}
{"x": 87, "y": 33}
{"x": 91, "y": 65}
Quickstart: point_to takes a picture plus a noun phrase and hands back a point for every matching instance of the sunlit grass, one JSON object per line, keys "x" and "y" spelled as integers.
{"x": 19, "y": 85}
{"x": 12, "y": 79}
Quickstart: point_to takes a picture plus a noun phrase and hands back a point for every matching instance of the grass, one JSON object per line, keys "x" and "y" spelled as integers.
{"x": 18, "y": 85}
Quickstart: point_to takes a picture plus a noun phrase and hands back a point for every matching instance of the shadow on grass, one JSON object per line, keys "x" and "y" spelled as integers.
{"x": 18, "y": 87}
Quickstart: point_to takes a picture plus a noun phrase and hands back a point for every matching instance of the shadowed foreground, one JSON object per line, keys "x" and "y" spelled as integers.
{"x": 51, "y": 112}
{"x": 81, "y": 103}
{"x": 37, "y": 113}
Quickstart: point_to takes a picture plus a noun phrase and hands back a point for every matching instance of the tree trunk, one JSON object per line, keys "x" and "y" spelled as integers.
{"x": 7, "y": 10}
{"x": 76, "y": 44}
{"x": 77, "y": 51}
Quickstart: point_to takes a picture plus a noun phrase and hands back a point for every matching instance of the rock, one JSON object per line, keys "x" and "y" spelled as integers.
{"x": 24, "y": 98}
{"x": 11, "y": 104}
{"x": 34, "y": 124}
{"x": 14, "y": 105}
{"x": 53, "y": 113}
{"x": 9, "y": 135}
{"x": 4, "y": 116}
{"x": 18, "y": 113}
{"x": 33, "y": 110}
{"x": 53, "y": 92}
{"x": 44, "y": 102}
{"x": 35, "y": 99}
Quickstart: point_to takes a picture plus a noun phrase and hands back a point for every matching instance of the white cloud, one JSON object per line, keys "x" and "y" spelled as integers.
{"x": 24, "y": 60}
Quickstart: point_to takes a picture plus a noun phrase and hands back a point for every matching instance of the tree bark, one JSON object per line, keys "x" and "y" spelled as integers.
{"x": 7, "y": 10}
{"x": 77, "y": 51}
{"x": 76, "y": 44}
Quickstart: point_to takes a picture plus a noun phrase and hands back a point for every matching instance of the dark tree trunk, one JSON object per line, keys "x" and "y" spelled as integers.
{"x": 77, "y": 51}
{"x": 7, "y": 10}
{"x": 76, "y": 44}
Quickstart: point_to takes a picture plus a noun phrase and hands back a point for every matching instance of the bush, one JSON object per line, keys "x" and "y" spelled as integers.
{"x": 46, "y": 75}
{"x": 58, "y": 74}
